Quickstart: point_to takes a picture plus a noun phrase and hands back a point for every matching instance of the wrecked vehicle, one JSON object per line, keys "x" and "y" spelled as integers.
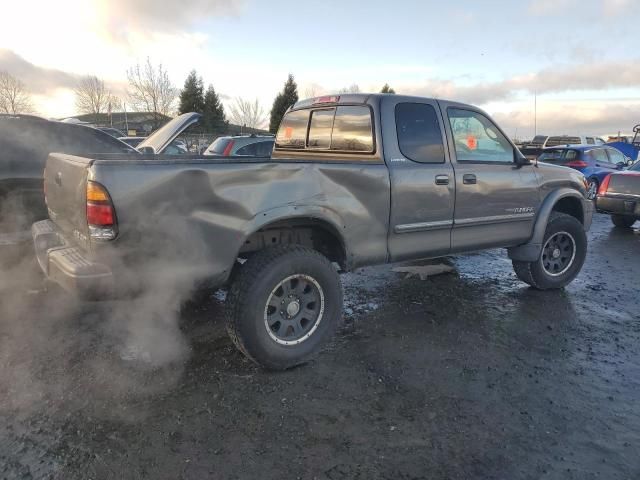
{"x": 25, "y": 142}
{"x": 353, "y": 180}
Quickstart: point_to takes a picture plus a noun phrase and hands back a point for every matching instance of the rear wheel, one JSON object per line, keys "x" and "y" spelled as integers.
{"x": 592, "y": 188}
{"x": 283, "y": 305}
{"x": 623, "y": 221}
{"x": 564, "y": 250}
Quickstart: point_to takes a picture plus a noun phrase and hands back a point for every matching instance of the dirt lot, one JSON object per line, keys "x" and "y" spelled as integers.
{"x": 465, "y": 375}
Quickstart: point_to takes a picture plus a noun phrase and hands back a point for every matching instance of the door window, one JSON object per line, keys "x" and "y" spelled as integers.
{"x": 419, "y": 135}
{"x": 477, "y": 139}
{"x": 599, "y": 155}
{"x": 615, "y": 156}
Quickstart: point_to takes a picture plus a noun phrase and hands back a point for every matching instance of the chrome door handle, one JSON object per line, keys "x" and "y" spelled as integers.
{"x": 442, "y": 179}
{"x": 469, "y": 179}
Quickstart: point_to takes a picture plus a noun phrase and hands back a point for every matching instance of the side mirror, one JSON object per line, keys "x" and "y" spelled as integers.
{"x": 621, "y": 165}
{"x": 520, "y": 160}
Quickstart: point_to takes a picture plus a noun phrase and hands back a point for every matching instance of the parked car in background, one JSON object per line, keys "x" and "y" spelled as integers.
{"x": 629, "y": 146}
{"x": 573, "y": 140}
{"x": 25, "y": 142}
{"x": 594, "y": 162}
{"x": 114, "y": 132}
{"x": 132, "y": 141}
{"x": 532, "y": 149}
{"x": 242, "y": 145}
{"x": 540, "y": 142}
{"x": 619, "y": 196}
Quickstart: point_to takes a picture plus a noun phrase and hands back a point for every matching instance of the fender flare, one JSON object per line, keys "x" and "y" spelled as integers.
{"x": 322, "y": 215}
{"x": 530, "y": 251}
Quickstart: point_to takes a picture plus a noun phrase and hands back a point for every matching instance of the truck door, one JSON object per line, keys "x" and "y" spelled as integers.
{"x": 422, "y": 179}
{"x": 496, "y": 200}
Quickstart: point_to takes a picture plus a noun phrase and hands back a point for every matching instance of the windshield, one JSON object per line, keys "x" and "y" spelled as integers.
{"x": 538, "y": 140}
{"x": 554, "y": 141}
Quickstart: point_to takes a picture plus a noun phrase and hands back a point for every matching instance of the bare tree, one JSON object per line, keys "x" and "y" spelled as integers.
{"x": 151, "y": 90}
{"x": 92, "y": 96}
{"x": 247, "y": 113}
{"x": 353, "y": 88}
{"x": 14, "y": 97}
{"x": 313, "y": 90}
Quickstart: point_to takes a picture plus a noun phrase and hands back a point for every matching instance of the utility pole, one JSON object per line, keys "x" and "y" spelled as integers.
{"x": 535, "y": 113}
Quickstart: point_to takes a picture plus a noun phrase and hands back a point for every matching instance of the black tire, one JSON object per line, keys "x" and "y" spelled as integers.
{"x": 258, "y": 284}
{"x": 623, "y": 221}
{"x": 543, "y": 274}
{"x": 592, "y": 189}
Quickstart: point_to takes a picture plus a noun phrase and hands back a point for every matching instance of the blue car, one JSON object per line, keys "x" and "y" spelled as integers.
{"x": 595, "y": 162}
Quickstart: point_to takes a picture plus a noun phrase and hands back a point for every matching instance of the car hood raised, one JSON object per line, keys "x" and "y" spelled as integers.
{"x": 161, "y": 138}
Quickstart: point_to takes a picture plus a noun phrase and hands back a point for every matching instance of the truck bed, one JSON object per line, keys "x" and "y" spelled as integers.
{"x": 197, "y": 212}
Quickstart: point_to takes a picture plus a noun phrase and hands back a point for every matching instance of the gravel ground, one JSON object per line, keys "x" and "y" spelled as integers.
{"x": 465, "y": 375}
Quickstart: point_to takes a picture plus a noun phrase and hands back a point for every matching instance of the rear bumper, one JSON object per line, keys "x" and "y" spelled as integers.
{"x": 68, "y": 266}
{"x": 622, "y": 205}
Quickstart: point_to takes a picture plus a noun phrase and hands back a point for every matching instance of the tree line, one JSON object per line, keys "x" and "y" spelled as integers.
{"x": 149, "y": 89}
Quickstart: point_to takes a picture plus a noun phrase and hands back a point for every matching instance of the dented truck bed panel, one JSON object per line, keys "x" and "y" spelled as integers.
{"x": 199, "y": 216}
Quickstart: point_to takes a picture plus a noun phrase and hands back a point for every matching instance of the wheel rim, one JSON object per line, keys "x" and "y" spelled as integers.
{"x": 558, "y": 253}
{"x": 294, "y": 309}
{"x": 592, "y": 189}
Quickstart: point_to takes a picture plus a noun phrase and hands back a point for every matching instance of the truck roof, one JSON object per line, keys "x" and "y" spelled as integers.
{"x": 363, "y": 98}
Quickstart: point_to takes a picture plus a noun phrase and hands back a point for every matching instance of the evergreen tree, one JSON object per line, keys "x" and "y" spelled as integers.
{"x": 284, "y": 100}
{"x": 387, "y": 89}
{"x": 192, "y": 95}
{"x": 214, "y": 119}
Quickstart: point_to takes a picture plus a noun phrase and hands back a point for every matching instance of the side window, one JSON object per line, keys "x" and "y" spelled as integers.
{"x": 263, "y": 149}
{"x": 615, "y": 156}
{"x": 571, "y": 155}
{"x": 293, "y": 130}
{"x": 590, "y": 141}
{"x": 249, "y": 150}
{"x": 419, "y": 135}
{"x": 320, "y": 127}
{"x": 352, "y": 130}
{"x": 477, "y": 139}
{"x": 599, "y": 155}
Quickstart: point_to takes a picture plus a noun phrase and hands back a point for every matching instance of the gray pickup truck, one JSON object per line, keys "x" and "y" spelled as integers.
{"x": 353, "y": 180}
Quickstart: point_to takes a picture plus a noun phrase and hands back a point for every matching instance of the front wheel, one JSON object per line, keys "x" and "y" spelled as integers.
{"x": 623, "y": 221}
{"x": 564, "y": 250}
{"x": 284, "y": 303}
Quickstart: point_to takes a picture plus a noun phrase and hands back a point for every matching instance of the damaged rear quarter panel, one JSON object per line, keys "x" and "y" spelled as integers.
{"x": 197, "y": 214}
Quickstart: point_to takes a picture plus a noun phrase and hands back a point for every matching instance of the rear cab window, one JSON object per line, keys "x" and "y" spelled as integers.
{"x": 344, "y": 128}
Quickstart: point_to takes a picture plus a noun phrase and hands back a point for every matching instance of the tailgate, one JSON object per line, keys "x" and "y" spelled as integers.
{"x": 625, "y": 184}
{"x": 65, "y": 188}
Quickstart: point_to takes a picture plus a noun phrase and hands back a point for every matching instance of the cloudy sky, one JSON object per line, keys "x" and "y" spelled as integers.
{"x": 579, "y": 56}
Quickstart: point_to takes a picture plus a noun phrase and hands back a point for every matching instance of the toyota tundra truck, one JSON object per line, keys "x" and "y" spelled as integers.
{"x": 353, "y": 180}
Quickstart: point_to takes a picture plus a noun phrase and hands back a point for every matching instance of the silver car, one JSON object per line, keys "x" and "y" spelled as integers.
{"x": 242, "y": 145}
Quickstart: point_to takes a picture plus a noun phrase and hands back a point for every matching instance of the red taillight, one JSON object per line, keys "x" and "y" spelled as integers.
{"x": 227, "y": 149}
{"x": 99, "y": 215}
{"x": 327, "y": 99}
{"x": 576, "y": 164}
{"x": 604, "y": 186}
